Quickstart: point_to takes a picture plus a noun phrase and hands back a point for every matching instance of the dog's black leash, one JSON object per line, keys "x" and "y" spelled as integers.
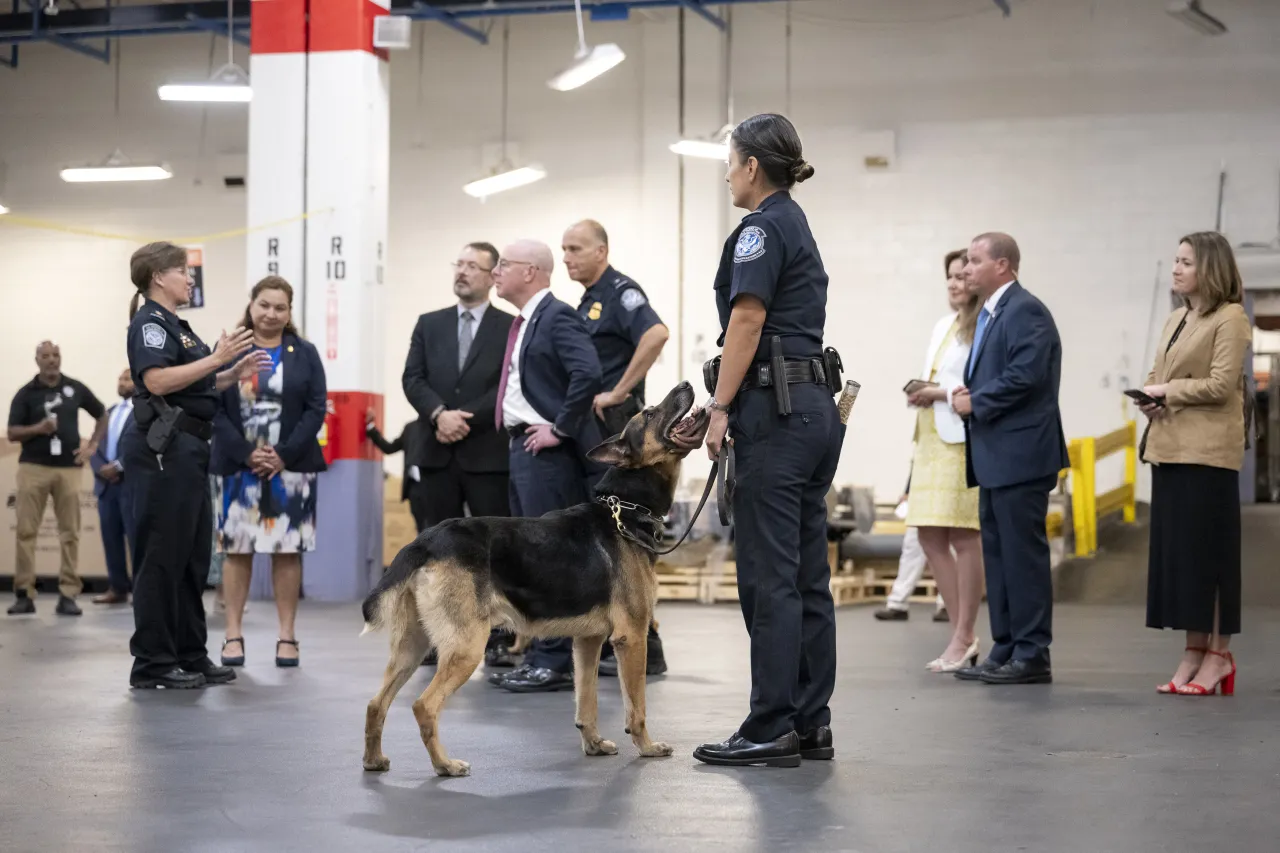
{"x": 717, "y": 478}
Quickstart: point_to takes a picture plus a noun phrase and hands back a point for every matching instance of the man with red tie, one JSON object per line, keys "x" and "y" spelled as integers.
{"x": 551, "y": 374}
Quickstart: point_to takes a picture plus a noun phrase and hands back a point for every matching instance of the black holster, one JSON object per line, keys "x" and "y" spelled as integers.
{"x": 163, "y": 425}
{"x": 833, "y": 365}
{"x": 615, "y": 418}
{"x": 711, "y": 374}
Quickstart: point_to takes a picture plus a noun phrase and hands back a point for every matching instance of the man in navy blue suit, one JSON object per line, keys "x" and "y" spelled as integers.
{"x": 1014, "y": 449}
{"x": 115, "y": 510}
{"x": 550, "y": 377}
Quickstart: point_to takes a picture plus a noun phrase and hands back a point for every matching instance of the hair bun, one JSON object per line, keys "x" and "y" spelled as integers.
{"x": 801, "y": 171}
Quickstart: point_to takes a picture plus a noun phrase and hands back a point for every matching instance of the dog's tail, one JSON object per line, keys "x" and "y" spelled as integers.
{"x": 411, "y": 558}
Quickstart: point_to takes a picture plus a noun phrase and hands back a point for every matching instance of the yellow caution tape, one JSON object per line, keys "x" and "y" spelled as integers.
{"x": 46, "y": 225}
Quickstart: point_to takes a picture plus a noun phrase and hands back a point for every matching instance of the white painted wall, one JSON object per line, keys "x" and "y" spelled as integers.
{"x": 1092, "y": 131}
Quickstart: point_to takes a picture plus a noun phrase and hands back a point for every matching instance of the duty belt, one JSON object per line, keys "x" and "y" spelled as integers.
{"x": 798, "y": 371}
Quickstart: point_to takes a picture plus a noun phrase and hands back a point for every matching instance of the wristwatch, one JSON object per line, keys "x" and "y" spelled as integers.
{"x": 714, "y": 405}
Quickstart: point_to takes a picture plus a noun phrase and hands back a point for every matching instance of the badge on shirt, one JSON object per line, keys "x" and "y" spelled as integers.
{"x": 67, "y": 391}
{"x": 632, "y": 299}
{"x": 750, "y": 245}
{"x": 593, "y": 313}
{"x": 186, "y": 341}
{"x": 154, "y": 336}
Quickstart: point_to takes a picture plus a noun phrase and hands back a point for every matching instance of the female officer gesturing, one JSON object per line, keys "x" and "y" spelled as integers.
{"x": 168, "y": 462}
{"x": 771, "y": 285}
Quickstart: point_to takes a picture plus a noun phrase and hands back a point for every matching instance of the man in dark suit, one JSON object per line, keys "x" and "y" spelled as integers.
{"x": 1014, "y": 449}
{"x": 451, "y": 378}
{"x": 551, "y": 376}
{"x": 115, "y": 510}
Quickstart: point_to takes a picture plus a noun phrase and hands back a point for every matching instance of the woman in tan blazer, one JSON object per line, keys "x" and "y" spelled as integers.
{"x": 1195, "y": 443}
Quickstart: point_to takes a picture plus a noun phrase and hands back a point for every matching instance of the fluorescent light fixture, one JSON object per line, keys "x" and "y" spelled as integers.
{"x": 587, "y": 66}
{"x": 228, "y": 85}
{"x": 507, "y": 179}
{"x": 1190, "y": 13}
{"x": 207, "y": 93}
{"x": 103, "y": 174}
{"x": 3, "y": 210}
{"x": 701, "y": 148}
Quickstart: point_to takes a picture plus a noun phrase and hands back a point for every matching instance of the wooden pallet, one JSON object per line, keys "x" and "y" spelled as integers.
{"x": 926, "y": 589}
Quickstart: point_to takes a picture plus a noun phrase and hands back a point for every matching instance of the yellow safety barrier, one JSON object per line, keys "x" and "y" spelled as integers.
{"x": 1087, "y": 506}
{"x": 47, "y": 225}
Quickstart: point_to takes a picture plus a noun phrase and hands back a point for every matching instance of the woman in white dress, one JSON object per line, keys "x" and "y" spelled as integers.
{"x": 942, "y": 506}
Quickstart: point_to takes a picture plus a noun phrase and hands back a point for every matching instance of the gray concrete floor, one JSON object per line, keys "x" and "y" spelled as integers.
{"x": 1095, "y": 762}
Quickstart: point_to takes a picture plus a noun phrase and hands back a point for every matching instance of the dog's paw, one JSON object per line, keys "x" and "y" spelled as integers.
{"x": 602, "y": 747}
{"x": 657, "y": 750}
{"x": 379, "y": 765}
{"x": 453, "y": 767}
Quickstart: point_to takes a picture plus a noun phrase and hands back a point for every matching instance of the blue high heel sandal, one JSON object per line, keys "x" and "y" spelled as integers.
{"x": 286, "y": 661}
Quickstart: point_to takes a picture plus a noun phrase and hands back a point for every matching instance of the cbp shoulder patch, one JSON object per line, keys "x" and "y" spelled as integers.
{"x": 632, "y": 299}
{"x": 154, "y": 336}
{"x": 750, "y": 244}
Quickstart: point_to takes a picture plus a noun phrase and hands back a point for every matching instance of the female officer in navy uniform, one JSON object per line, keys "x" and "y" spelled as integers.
{"x": 170, "y": 364}
{"x": 771, "y": 283}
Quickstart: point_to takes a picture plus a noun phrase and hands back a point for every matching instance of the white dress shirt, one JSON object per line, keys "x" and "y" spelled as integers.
{"x": 990, "y": 307}
{"x": 115, "y": 426}
{"x": 515, "y": 408}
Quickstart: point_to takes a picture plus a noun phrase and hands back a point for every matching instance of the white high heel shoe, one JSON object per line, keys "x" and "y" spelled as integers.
{"x": 970, "y": 658}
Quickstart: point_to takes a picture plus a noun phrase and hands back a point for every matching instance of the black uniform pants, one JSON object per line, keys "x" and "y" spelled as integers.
{"x": 554, "y": 479}
{"x": 443, "y": 493}
{"x": 172, "y": 546}
{"x": 785, "y": 466}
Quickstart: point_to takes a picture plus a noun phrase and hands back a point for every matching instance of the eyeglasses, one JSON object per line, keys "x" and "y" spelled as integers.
{"x": 504, "y": 263}
{"x": 468, "y": 266}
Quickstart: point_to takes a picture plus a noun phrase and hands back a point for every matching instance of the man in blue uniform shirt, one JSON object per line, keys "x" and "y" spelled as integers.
{"x": 628, "y": 336}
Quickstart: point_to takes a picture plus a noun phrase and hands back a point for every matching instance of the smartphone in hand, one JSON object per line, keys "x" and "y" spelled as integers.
{"x": 1142, "y": 398}
{"x": 918, "y": 385}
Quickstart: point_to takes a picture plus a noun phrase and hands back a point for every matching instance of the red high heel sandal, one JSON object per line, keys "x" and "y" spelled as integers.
{"x": 1227, "y": 683}
{"x": 1171, "y": 688}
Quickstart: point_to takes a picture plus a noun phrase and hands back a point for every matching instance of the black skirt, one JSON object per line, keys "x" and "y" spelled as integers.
{"x": 1195, "y": 549}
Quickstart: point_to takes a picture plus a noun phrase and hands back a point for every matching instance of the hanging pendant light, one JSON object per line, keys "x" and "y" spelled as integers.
{"x": 715, "y": 146}
{"x": 505, "y": 175}
{"x": 588, "y": 62}
{"x": 116, "y": 168}
{"x": 229, "y": 84}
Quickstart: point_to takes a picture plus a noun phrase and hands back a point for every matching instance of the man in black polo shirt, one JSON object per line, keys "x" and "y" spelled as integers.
{"x": 44, "y": 418}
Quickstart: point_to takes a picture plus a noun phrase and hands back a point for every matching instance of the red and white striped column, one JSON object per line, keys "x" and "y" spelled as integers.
{"x": 318, "y": 174}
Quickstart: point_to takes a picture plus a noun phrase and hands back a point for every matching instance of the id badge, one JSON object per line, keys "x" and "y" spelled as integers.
{"x": 55, "y": 446}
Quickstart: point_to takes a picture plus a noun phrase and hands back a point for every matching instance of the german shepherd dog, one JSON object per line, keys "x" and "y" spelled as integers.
{"x": 583, "y": 572}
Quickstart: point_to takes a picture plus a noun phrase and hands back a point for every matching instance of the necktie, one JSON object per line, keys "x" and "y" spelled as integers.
{"x": 115, "y": 427}
{"x": 506, "y": 369}
{"x": 984, "y": 317}
{"x": 465, "y": 335}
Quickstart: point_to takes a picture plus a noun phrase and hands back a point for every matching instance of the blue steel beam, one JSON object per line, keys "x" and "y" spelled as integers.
{"x": 192, "y": 17}
{"x": 103, "y": 55}
{"x": 238, "y": 34}
{"x": 431, "y": 13}
{"x": 697, "y": 8}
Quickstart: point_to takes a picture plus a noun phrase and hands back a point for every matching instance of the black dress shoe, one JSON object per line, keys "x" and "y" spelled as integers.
{"x": 737, "y": 751}
{"x": 892, "y": 614}
{"x": 497, "y": 678}
{"x": 816, "y": 745}
{"x": 213, "y": 674}
{"x": 67, "y": 607}
{"x": 1020, "y": 672}
{"x": 535, "y": 679}
{"x": 21, "y": 605}
{"x": 174, "y": 679}
{"x": 975, "y": 673}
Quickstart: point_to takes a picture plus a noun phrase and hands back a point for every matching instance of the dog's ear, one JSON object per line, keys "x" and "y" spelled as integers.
{"x": 614, "y": 451}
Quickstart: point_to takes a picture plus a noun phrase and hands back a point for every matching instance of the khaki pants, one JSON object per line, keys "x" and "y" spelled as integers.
{"x": 36, "y": 483}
